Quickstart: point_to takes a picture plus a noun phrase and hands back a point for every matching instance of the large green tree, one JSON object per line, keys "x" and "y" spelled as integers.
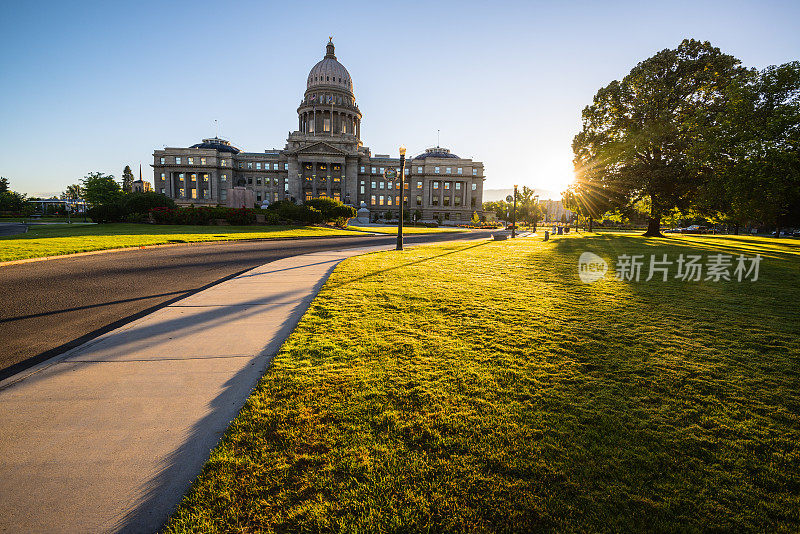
{"x": 638, "y": 133}
{"x": 101, "y": 189}
{"x": 73, "y": 192}
{"x": 127, "y": 179}
{"x": 753, "y": 154}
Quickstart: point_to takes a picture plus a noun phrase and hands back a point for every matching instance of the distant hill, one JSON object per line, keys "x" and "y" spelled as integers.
{"x": 491, "y": 195}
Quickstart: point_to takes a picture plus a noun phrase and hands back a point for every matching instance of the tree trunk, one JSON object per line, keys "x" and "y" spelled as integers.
{"x": 736, "y": 229}
{"x": 653, "y": 227}
{"x": 590, "y": 224}
{"x": 654, "y": 221}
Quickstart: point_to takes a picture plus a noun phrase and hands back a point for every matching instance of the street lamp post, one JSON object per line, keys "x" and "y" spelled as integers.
{"x": 514, "y": 216}
{"x": 402, "y": 190}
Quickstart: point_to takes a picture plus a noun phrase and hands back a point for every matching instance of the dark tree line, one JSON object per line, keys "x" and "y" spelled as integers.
{"x": 692, "y": 129}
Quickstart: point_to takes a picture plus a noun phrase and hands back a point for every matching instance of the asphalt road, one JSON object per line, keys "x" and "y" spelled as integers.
{"x": 49, "y": 307}
{"x": 12, "y": 228}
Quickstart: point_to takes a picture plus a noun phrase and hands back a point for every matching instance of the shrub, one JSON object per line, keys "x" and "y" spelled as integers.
{"x": 107, "y": 213}
{"x": 143, "y": 202}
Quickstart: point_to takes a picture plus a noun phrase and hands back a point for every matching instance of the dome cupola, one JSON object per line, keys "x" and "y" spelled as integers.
{"x": 329, "y": 72}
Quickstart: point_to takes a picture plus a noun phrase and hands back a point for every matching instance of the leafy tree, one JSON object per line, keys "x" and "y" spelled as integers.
{"x": 417, "y": 215}
{"x": 753, "y": 155}
{"x": 73, "y": 192}
{"x": 127, "y": 179}
{"x": 638, "y": 133}
{"x": 100, "y": 189}
{"x": 3, "y": 184}
{"x": 500, "y": 209}
{"x": 11, "y": 200}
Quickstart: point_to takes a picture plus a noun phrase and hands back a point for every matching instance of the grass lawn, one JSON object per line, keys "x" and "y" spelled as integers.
{"x": 406, "y": 229}
{"x": 483, "y": 387}
{"x": 52, "y": 240}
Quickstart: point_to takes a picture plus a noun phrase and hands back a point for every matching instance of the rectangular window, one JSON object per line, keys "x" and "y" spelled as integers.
{"x": 311, "y": 127}
{"x": 193, "y": 177}
{"x": 372, "y": 200}
{"x": 177, "y": 160}
{"x": 249, "y": 180}
{"x": 405, "y": 201}
{"x": 205, "y": 177}
{"x": 274, "y": 166}
{"x": 389, "y": 200}
{"x": 419, "y": 170}
{"x": 326, "y": 125}
{"x": 380, "y": 200}
{"x": 275, "y": 197}
{"x": 446, "y": 201}
{"x": 258, "y": 166}
{"x": 180, "y": 177}
{"x": 405, "y": 171}
{"x": 224, "y": 178}
{"x": 205, "y": 193}
{"x": 223, "y": 162}
{"x": 474, "y": 172}
{"x": 449, "y": 170}
{"x": 202, "y": 161}
{"x": 361, "y": 188}
{"x": 309, "y": 195}
{"x": 447, "y": 185}
{"x": 249, "y": 164}
{"x": 405, "y": 185}
{"x": 457, "y": 201}
{"x": 446, "y": 216}
{"x": 419, "y": 185}
{"x": 472, "y": 202}
{"x": 436, "y": 170}
{"x": 181, "y": 192}
{"x": 374, "y": 185}
{"x": 258, "y": 197}
{"x": 474, "y": 187}
{"x": 285, "y": 166}
{"x": 223, "y": 195}
{"x": 458, "y": 186}
{"x": 194, "y": 193}
{"x": 258, "y": 180}
{"x": 162, "y": 191}
{"x": 419, "y": 200}
{"x": 434, "y": 201}
{"x": 286, "y": 186}
{"x": 241, "y": 165}
{"x": 336, "y": 196}
{"x": 163, "y": 161}
{"x": 191, "y": 161}
{"x": 163, "y": 176}
{"x": 460, "y": 170}
{"x": 373, "y": 170}
{"x": 382, "y": 184}
{"x": 362, "y": 169}
{"x": 435, "y": 185}
{"x": 382, "y": 170}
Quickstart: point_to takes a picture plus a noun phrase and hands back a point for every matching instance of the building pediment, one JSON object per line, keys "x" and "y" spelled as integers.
{"x": 319, "y": 148}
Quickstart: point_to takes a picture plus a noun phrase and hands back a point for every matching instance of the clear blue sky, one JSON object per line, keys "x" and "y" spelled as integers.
{"x": 93, "y": 86}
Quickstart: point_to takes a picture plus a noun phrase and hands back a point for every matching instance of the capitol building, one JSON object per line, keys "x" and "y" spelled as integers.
{"x": 324, "y": 157}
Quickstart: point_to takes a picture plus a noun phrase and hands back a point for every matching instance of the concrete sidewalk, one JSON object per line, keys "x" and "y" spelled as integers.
{"x": 109, "y": 436}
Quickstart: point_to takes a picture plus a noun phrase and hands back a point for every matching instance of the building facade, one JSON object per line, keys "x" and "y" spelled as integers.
{"x": 324, "y": 157}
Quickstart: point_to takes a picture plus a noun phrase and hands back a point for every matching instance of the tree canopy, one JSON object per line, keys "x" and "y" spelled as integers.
{"x": 100, "y": 189}
{"x": 639, "y": 133}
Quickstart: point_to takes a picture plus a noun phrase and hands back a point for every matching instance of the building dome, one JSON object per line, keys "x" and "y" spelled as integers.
{"x": 330, "y": 72}
{"x": 437, "y": 152}
{"x": 216, "y": 143}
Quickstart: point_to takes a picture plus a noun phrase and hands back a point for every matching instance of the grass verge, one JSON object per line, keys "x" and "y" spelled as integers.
{"x": 406, "y": 229}
{"x": 484, "y": 388}
{"x": 53, "y": 240}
